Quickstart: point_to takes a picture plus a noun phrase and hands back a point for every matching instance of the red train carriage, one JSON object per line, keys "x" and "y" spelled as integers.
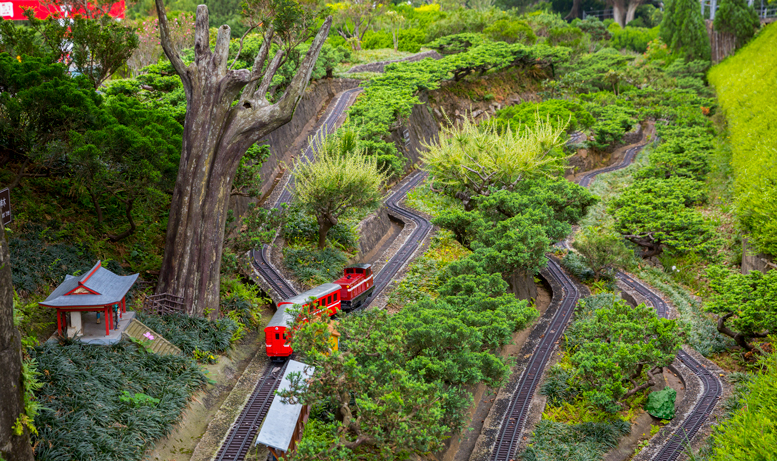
{"x": 357, "y": 284}
{"x": 327, "y": 297}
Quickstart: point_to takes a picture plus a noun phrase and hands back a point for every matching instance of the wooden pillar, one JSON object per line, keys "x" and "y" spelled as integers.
{"x": 59, "y": 323}
{"x": 107, "y": 319}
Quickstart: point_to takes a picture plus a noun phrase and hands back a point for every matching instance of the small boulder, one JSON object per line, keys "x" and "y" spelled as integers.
{"x": 661, "y": 403}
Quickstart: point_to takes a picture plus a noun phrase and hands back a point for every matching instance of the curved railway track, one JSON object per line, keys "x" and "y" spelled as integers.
{"x": 515, "y": 418}
{"x": 713, "y": 389}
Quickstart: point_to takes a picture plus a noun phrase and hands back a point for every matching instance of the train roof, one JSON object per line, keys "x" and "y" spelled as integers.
{"x": 360, "y": 266}
{"x": 281, "y": 318}
{"x": 317, "y": 292}
{"x": 281, "y": 420}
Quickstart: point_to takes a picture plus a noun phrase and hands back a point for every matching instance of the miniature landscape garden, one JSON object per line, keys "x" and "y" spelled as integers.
{"x": 569, "y": 208}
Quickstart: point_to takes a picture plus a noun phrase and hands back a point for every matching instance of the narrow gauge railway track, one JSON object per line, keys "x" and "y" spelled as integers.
{"x": 422, "y": 229}
{"x": 246, "y": 426}
{"x": 713, "y": 389}
{"x": 515, "y": 418}
{"x": 514, "y": 421}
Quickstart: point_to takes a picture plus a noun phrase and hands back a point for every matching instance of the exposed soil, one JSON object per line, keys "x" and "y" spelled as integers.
{"x": 460, "y": 446}
{"x": 180, "y": 444}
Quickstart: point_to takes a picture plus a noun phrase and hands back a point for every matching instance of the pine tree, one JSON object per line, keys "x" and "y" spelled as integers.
{"x": 684, "y": 31}
{"x": 737, "y": 18}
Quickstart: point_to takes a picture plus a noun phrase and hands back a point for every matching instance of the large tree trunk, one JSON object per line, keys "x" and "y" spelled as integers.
{"x": 12, "y": 447}
{"x": 632, "y": 10}
{"x": 575, "y": 11}
{"x": 619, "y": 12}
{"x": 216, "y": 135}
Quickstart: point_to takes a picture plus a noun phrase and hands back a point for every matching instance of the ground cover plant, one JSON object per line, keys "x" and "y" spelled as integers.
{"x": 198, "y": 337}
{"x": 108, "y": 402}
{"x": 738, "y": 82}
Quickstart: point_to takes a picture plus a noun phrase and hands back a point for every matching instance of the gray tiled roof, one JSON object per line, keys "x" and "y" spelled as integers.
{"x": 111, "y": 288}
{"x": 278, "y": 426}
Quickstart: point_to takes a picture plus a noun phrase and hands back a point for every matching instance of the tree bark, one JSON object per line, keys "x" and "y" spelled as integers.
{"x": 97, "y": 208}
{"x": 324, "y": 224}
{"x": 12, "y": 447}
{"x": 128, "y": 210}
{"x": 631, "y": 10}
{"x": 618, "y": 12}
{"x": 216, "y": 135}
{"x": 575, "y": 11}
{"x": 739, "y": 338}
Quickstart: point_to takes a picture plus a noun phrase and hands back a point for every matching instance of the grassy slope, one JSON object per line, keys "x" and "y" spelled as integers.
{"x": 745, "y": 84}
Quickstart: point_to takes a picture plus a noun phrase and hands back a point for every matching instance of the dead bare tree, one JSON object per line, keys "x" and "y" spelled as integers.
{"x": 227, "y": 111}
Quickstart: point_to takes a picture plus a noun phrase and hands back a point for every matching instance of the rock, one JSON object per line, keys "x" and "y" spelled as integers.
{"x": 583, "y": 153}
{"x": 661, "y": 403}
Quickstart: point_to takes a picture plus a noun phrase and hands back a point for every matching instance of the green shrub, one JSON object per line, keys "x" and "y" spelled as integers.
{"x": 314, "y": 267}
{"x": 751, "y": 107}
{"x": 192, "y": 334}
{"x": 505, "y": 30}
{"x": 559, "y": 111}
{"x": 632, "y": 38}
{"x": 737, "y": 18}
{"x": 86, "y": 417}
{"x": 300, "y": 227}
{"x": 458, "y": 43}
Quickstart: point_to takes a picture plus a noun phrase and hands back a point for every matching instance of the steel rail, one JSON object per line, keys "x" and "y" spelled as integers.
{"x": 713, "y": 388}
{"x": 243, "y": 431}
{"x": 515, "y": 418}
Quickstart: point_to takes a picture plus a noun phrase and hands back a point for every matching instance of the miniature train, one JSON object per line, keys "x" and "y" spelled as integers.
{"x": 346, "y": 293}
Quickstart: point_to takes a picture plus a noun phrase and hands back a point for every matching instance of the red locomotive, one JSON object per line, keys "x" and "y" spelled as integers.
{"x": 347, "y": 292}
{"x": 357, "y": 285}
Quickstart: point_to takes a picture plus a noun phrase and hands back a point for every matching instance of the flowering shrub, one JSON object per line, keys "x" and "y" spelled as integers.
{"x": 150, "y": 49}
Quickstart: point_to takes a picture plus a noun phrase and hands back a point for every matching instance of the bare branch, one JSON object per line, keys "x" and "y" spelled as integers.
{"x": 294, "y": 91}
{"x": 256, "y": 71}
{"x": 268, "y": 75}
{"x": 201, "y": 35}
{"x": 167, "y": 46}
{"x": 221, "y": 52}
{"x": 240, "y": 49}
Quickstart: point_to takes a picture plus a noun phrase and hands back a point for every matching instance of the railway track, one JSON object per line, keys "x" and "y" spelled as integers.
{"x": 422, "y": 229}
{"x": 242, "y": 433}
{"x": 713, "y": 389}
{"x": 515, "y": 419}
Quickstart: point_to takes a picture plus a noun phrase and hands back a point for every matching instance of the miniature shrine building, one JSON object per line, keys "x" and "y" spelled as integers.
{"x": 99, "y": 290}
{"x": 282, "y": 427}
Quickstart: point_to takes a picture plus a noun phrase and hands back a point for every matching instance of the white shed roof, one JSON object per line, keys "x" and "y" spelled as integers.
{"x": 278, "y": 426}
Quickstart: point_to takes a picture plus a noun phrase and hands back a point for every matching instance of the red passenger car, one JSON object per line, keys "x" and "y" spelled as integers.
{"x": 328, "y": 301}
{"x": 357, "y": 284}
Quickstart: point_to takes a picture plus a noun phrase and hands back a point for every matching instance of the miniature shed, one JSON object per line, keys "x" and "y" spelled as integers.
{"x": 283, "y": 425}
{"x": 99, "y": 290}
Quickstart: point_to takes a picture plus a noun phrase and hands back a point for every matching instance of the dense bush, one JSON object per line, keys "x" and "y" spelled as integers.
{"x": 108, "y": 402}
{"x": 505, "y": 30}
{"x": 683, "y": 29}
{"x": 557, "y": 111}
{"x": 314, "y": 267}
{"x": 750, "y": 107}
{"x": 41, "y": 260}
{"x": 632, "y": 38}
{"x": 190, "y": 334}
{"x": 737, "y": 18}
{"x": 392, "y": 95}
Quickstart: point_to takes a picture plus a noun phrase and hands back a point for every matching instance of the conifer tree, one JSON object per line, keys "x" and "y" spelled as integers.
{"x": 737, "y": 18}
{"x": 684, "y": 31}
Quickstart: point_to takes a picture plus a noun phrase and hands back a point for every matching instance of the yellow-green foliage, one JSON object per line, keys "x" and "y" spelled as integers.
{"x": 745, "y": 84}
{"x": 752, "y": 432}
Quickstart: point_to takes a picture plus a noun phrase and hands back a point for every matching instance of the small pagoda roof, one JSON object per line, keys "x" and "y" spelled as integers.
{"x": 97, "y": 287}
{"x": 278, "y": 426}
